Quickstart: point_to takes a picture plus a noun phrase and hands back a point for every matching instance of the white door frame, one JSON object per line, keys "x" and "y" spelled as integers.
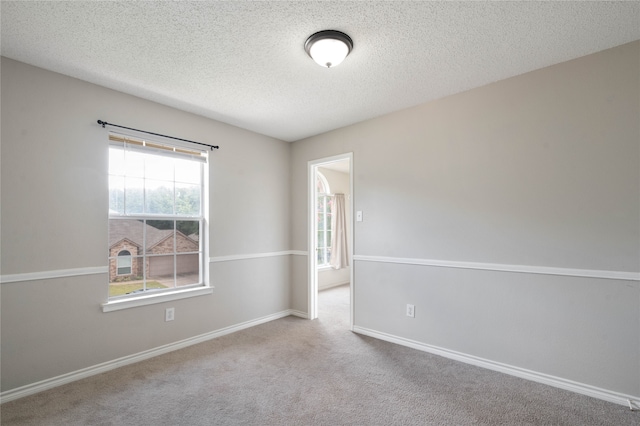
{"x": 313, "y": 234}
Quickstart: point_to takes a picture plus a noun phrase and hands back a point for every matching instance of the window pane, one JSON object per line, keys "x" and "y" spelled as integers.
{"x": 321, "y": 204}
{"x": 323, "y": 185}
{"x": 116, "y": 194}
{"x": 121, "y": 281}
{"x": 188, "y": 199}
{"x": 188, "y": 236}
{"x": 116, "y": 161}
{"x": 159, "y": 168}
{"x": 160, "y": 236}
{"x": 187, "y": 269}
{"x": 133, "y": 195}
{"x": 159, "y": 197}
{"x": 134, "y": 163}
{"x": 161, "y": 271}
{"x": 188, "y": 171}
{"x": 125, "y": 287}
{"x": 125, "y": 234}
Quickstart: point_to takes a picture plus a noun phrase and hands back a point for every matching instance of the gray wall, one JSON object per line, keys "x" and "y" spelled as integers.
{"x": 54, "y": 217}
{"x": 540, "y": 170}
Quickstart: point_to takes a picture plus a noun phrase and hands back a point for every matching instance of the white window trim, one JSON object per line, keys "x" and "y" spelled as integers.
{"x": 152, "y": 299}
{"x": 202, "y": 289}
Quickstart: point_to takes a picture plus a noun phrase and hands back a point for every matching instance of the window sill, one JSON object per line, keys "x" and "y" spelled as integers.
{"x": 324, "y": 268}
{"x": 117, "y": 305}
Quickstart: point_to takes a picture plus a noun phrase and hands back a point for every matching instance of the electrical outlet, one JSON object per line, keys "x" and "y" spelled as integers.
{"x": 411, "y": 311}
{"x": 169, "y": 314}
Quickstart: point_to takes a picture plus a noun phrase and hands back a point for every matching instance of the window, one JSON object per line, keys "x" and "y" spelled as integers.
{"x": 156, "y": 217}
{"x": 324, "y": 221}
{"x": 124, "y": 262}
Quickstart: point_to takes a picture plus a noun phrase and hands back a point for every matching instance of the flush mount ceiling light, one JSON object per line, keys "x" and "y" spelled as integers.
{"x": 328, "y": 48}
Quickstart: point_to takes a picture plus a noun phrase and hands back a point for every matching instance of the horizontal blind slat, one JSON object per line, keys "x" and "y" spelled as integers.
{"x": 146, "y": 146}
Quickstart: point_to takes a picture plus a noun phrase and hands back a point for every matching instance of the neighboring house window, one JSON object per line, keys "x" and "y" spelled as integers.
{"x": 124, "y": 262}
{"x": 324, "y": 221}
{"x": 156, "y": 218}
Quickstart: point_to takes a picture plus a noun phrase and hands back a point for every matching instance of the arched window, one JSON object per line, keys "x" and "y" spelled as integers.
{"x": 324, "y": 221}
{"x": 322, "y": 184}
{"x": 124, "y": 262}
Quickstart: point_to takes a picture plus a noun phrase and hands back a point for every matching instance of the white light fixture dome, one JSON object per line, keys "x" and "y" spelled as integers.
{"x": 328, "y": 48}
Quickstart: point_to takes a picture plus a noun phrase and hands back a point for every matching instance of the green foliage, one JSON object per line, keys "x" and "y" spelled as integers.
{"x": 188, "y": 200}
{"x": 187, "y": 227}
{"x": 159, "y": 200}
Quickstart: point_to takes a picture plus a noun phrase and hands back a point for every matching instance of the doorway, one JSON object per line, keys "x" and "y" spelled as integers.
{"x": 336, "y": 171}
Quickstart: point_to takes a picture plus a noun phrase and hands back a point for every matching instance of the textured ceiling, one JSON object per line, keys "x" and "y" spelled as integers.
{"x": 244, "y": 63}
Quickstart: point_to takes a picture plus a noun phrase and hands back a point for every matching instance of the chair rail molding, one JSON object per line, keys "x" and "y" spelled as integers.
{"x": 525, "y": 269}
{"x": 59, "y": 273}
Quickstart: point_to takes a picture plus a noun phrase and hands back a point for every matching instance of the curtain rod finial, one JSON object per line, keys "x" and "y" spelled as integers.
{"x": 103, "y": 123}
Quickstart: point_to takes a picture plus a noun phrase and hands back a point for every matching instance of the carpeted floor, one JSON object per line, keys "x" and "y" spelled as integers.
{"x": 299, "y": 372}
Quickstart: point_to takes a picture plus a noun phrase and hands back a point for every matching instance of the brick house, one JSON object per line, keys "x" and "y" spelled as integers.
{"x": 126, "y": 242}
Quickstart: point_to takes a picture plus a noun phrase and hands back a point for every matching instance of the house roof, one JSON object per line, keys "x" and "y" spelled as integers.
{"x": 132, "y": 230}
{"x": 244, "y": 63}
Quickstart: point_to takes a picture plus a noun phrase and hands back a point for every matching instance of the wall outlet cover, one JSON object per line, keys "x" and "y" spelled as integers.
{"x": 411, "y": 311}
{"x": 169, "y": 314}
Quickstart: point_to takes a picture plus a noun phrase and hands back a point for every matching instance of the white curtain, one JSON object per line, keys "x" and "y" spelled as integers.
{"x": 339, "y": 258}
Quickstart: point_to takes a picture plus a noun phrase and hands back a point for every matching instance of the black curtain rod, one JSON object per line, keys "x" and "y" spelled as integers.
{"x": 104, "y": 123}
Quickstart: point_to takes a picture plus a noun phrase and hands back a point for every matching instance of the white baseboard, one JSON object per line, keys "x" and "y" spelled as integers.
{"x": 299, "y": 314}
{"x": 592, "y": 391}
{"x": 558, "y": 382}
{"x": 43, "y": 385}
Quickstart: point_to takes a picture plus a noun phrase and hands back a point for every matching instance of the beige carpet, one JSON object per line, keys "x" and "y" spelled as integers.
{"x": 299, "y": 372}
